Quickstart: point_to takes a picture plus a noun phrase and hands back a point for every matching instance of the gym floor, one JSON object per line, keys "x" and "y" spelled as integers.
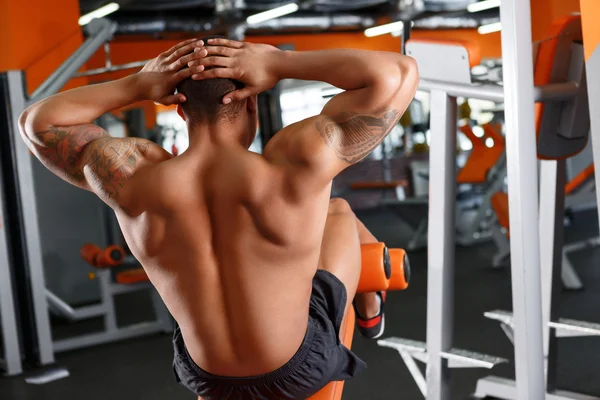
{"x": 141, "y": 368}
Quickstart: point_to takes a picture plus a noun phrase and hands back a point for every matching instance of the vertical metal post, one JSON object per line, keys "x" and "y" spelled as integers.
{"x": 8, "y": 321}
{"x": 441, "y": 241}
{"x": 30, "y": 223}
{"x": 108, "y": 301}
{"x": 552, "y": 204}
{"x": 406, "y": 29}
{"x": 521, "y": 157}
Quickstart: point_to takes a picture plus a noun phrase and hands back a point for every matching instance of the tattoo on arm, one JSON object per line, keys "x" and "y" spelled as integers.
{"x": 61, "y": 148}
{"x": 108, "y": 162}
{"x": 111, "y": 162}
{"x": 354, "y": 136}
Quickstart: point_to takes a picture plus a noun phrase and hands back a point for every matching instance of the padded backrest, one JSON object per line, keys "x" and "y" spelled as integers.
{"x": 444, "y": 60}
{"x": 552, "y": 65}
{"x": 472, "y": 48}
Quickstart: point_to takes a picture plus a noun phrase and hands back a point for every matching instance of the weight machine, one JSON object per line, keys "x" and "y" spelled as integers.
{"x": 564, "y": 99}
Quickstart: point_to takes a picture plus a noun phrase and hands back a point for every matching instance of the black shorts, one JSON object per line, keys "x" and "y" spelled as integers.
{"x": 320, "y": 359}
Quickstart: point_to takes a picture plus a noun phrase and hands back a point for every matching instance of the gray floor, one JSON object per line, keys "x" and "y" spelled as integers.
{"x": 140, "y": 368}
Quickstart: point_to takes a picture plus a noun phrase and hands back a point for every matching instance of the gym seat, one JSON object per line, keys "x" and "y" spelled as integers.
{"x": 132, "y": 276}
{"x": 382, "y": 269}
{"x": 482, "y": 158}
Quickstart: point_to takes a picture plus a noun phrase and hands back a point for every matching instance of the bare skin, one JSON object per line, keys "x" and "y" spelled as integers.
{"x": 232, "y": 239}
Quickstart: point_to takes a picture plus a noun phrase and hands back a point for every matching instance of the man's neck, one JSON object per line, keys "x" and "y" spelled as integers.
{"x": 220, "y": 134}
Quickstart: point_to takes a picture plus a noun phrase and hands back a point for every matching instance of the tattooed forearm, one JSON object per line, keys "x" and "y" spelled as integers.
{"x": 60, "y": 148}
{"x": 354, "y": 136}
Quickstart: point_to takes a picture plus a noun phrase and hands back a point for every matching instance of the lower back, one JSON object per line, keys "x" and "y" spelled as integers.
{"x": 241, "y": 301}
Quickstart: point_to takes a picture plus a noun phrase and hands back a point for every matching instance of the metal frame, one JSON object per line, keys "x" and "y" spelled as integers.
{"x": 11, "y": 359}
{"x": 440, "y": 238}
{"x": 521, "y": 155}
{"x": 100, "y": 31}
{"x": 30, "y": 222}
{"x": 106, "y": 309}
{"x": 551, "y": 236}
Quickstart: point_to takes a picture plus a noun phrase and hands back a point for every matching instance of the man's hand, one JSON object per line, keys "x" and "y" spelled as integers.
{"x": 246, "y": 62}
{"x": 161, "y": 75}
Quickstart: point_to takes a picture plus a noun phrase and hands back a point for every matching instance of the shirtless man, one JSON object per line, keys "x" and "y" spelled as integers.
{"x": 250, "y": 255}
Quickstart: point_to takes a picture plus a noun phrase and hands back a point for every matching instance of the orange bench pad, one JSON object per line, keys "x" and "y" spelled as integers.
{"x": 132, "y": 276}
{"x": 333, "y": 390}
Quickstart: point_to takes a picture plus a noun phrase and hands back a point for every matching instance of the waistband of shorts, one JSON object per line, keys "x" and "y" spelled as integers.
{"x": 286, "y": 370}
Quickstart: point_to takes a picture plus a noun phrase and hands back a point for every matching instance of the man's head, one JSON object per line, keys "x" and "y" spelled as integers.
{"x": 204, "y": 104}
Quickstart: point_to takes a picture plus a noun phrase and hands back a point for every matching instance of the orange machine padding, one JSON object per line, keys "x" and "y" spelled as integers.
{"x": 372, "y": 273}
{"x": 482, "y": 158}
{"x": 102, "y": 258}
{"x": 545, "y": 59}
{"x": 472, "y": 47}
{"x": 132, "y": 276}
{"x": 378, "y": 185}
{"x": 499, "y": 202}
{"x": 400, "y": 270}
{"x": 333, "y": 391}
{"x": 579, "y": 179}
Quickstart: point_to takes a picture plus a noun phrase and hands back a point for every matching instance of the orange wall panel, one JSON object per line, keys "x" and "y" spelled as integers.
{"x": 37, "y": 36}
{"x": 590, "y": 15}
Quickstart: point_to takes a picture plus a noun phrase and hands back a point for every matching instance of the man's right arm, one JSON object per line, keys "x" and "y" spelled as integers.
{"x": 378, "y": 86}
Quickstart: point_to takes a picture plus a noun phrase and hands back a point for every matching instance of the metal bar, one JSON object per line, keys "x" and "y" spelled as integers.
{"x": 101, "y": 30}
{"x": 8, "y": 320}
{"x": 552, "y": 199}
{"x": 550, "y": 92}
{"x": 440, "y": 238}
{"x": 508, "y": 331}
{"x": 501, "y": 388}
{"x": 110, "y": 317}
{"x": 128, "y": 332}
{"x": 113, "y": 68}
{"x": 521, "y": 159}
{"x": 60, "y": 306}
{"x": 73, "y": 314}
{"x": 415, "y": 371}
{"x": 30, "y": 223}
{"x": 570, "y": 277}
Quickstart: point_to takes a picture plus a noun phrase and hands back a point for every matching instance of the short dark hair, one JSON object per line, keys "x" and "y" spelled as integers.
{"x": 205, "y": 97}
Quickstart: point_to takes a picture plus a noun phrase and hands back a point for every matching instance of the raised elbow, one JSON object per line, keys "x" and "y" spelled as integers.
{"x": 402, "y": 75}
{"x": 409, "y": 72}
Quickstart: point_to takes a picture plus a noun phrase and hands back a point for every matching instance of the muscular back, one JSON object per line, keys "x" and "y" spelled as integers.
{"x": 231, "y": 252}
